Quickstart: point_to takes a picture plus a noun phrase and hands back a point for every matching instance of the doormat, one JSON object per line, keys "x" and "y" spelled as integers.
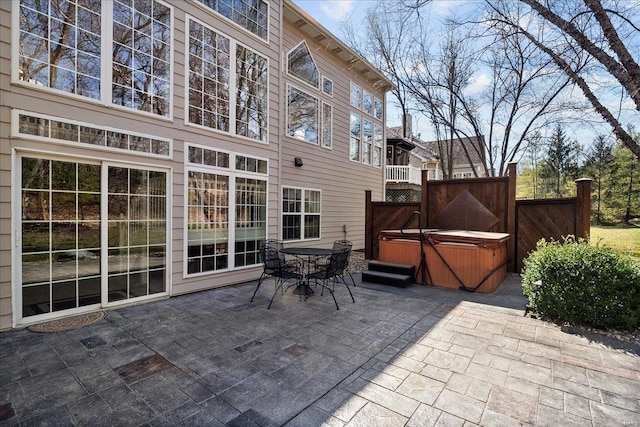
{"x": 68, "y": 323}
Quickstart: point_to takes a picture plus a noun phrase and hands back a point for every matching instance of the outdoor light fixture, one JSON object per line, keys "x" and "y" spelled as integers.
{"x": 298, "y": 162}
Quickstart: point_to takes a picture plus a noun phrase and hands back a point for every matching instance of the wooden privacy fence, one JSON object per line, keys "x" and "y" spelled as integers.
{"x": 526, "y": 221}
{"x": 551, "y": 219}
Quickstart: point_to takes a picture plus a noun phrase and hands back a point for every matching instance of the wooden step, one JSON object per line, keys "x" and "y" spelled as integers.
{"x": 389, "y": 267}
{"x": 384, "y": 278}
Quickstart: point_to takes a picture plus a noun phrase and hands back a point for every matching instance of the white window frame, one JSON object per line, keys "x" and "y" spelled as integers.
{"x": 327, "y": 79}
{"x": 105, "y": 163}
{"x": 359, "y": 159}
{"x": 233, "y": 86}
{"x": 106, "y": 58}
{"x": 318, "y": 116}
{"x": 323, "y": 143}
{"x": 303, "y": 214}
{"x": 15, "y": 133}
{"x": 232, "y": 173}
{"x": 352, "y": 101}
{"x": 230, "y": 21}
{"x": 286, "y": 63}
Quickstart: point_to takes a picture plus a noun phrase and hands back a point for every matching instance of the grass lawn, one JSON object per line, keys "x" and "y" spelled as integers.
{"x": 622, "y": 239}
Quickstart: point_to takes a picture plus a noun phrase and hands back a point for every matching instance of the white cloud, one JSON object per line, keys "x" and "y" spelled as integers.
{"x": 478, "y": 84}
{"x": 337, "y": 10}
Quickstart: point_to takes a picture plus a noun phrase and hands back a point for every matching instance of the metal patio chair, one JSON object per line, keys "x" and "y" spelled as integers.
{"x": 332, "y": 270}
{"x": 275, "y": 265}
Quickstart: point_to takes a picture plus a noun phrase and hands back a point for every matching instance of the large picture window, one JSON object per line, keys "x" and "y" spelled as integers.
{"x": 212, "y": 102}
{"x": 300, "y": 213}
{"x": 252, "y": 94}
{"x": 302, "y": 115}
{"x": 219, "y": 184}
{"x": 60, "y": 45}
{"x": 60, "y": 48}
{"x": 366, "y": 136}
{"x": 208, "y": 222}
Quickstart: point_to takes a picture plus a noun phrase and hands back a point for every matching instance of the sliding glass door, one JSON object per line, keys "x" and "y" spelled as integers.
{"x": 67, "y": 210}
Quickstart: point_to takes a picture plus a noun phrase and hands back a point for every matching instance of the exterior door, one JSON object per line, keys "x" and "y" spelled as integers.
{"x": 91, "y": 234}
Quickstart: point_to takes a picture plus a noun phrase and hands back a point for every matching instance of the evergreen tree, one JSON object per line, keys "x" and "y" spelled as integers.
{"x": 622, "y": 194}
{"x": 560, "y": 163}
{"x": 598, "y": 166}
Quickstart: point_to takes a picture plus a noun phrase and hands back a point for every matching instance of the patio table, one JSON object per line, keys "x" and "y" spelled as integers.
{"x": 306, "y": 255}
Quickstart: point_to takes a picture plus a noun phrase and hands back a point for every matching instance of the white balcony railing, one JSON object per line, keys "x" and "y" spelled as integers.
{"x": 409, "y": 174}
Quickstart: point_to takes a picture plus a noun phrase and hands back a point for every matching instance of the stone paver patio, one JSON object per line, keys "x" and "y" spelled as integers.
{"x": 418, "y": 356}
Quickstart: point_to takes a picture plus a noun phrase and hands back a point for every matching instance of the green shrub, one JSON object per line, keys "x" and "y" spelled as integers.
{"x": 576, "y": 282}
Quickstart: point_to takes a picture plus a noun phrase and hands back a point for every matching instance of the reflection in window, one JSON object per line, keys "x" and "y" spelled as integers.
{"x": 249, "y": 14}
{"x": 209, "y": 70}
{"x": 251, "y": 219}
{"x": 60, "y": 235}
{"x": 252, "y": 94}
{"x": 377, "y": 145}
{"x": 302, "y": 117}
{"x": 137, "y": 232}
{"x": 300, "y": 221}
{"x": 302, "y": 66}
{"x": 59, "y": 45}
{"x": 208, "y": 222}
{"x": 327, "y": 125}
{"x": 377, "y": 109}
{"x": 356, "y": 96}
{"x": 356, "y": 137}
{"x": 70, "y": 132}
{"x": 367, "y": 142}
{"x": 142, "y": 56}
{"x": 367, "y": 103}
{"x": 327, "y": 86}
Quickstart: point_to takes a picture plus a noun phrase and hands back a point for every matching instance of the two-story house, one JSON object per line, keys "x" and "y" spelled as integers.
{"x": 148, "y": 146}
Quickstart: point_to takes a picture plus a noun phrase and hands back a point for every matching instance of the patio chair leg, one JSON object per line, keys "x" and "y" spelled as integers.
{"x": 332, "y": 295}
{"x": 260, "y": 280}
{"x": 347, "y": 286}
{"x": 275, "y": 292}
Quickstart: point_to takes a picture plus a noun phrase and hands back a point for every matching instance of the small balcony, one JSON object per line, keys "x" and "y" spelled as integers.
{"x": 408, "y": 174}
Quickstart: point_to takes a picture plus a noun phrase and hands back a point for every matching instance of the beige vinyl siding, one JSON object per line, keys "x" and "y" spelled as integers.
{"x": 5, "y": 169}
{"x": 343, "y": 182}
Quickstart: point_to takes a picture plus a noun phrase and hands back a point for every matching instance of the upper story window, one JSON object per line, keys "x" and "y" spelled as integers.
{"x": 377, "y": 108}
{"x": 67, "y": 131}
{"x": 301, "y": 65}
{"x": 212, "y": 73}
{"x": 302, "y": 115}
{"x": 356, "y": 96}
{"x": 366, "y": 136}
{"x": 327, "y": 86}
{"x": 251, "y": 15}
{"x": 60, "y": 48}
{"x": 141, "y": 55}
{"x": 60, "y": 45}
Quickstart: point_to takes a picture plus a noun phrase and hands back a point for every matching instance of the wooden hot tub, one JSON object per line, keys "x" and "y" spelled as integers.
{"x": 473, "y": 260}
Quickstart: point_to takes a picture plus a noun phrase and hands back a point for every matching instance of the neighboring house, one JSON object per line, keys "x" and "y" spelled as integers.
{"x": 147, "y": 147}
{"x": 462, "y": 165}
{"x": 408, "y": 156}
{"x": 406, "y": 159}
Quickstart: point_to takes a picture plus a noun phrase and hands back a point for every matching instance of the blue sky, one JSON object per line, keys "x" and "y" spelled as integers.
{"x": 331, "y": 14}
